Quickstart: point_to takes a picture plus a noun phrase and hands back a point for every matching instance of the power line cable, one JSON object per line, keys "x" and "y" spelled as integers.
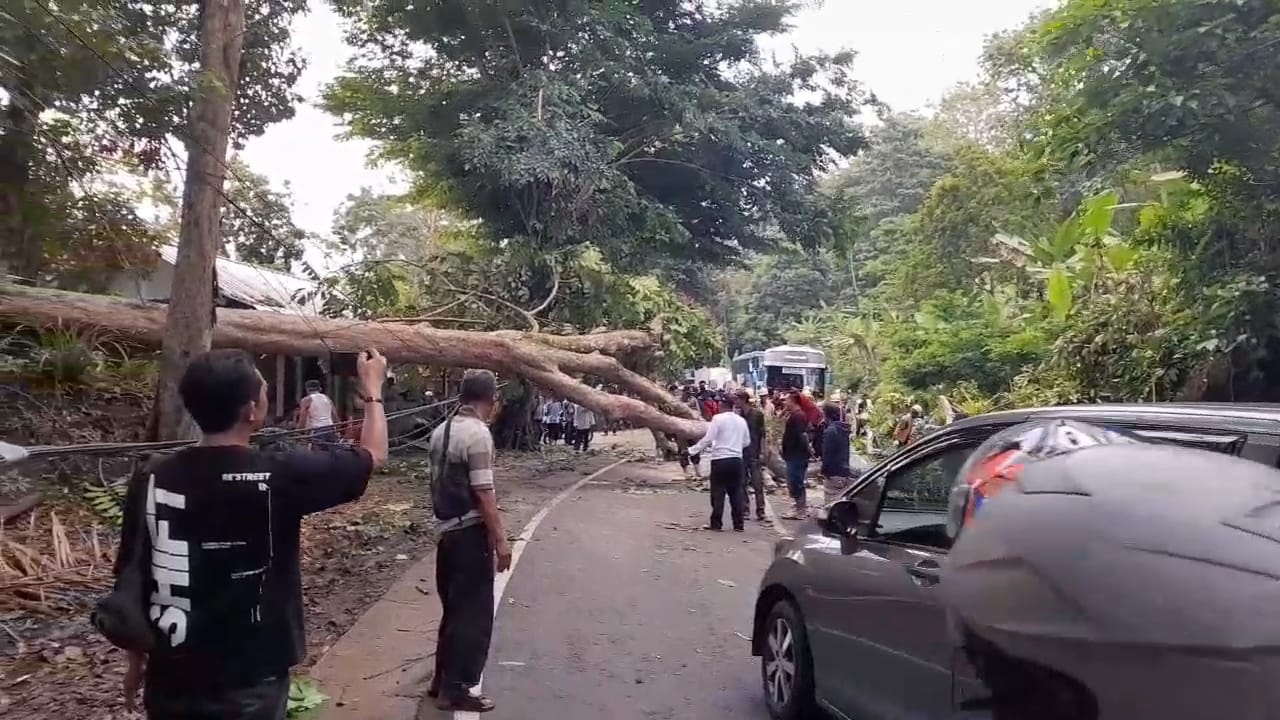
{"x": 10, "y": 454}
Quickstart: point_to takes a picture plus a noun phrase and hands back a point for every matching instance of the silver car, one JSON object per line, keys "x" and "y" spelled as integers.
{"x": 848, "y": 619}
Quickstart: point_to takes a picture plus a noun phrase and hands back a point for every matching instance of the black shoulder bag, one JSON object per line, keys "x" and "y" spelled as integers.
{"x": 450, "y": 490}
{"x": 121, "y": 615}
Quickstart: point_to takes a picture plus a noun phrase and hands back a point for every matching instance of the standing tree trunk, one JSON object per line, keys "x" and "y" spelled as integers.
{"x": 189, "y": 325}
{"x": 513, "y": 427}
{"x": 22, "y": 249}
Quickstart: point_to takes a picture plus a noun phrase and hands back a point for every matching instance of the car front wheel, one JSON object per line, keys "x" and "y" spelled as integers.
{"x": 786, "y": 668}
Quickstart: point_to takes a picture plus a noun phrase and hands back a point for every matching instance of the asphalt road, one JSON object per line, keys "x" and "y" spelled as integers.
{"x": 620, "y": 608}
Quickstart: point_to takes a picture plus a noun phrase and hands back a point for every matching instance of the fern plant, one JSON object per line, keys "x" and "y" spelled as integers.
{"x": 107, "y": 501}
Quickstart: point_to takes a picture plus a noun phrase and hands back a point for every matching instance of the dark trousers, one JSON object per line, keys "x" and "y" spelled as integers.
{"x": 682, "y": 452}
{"x": 726, "y": 480}
{"x": 797, "y": 469}
{"x": 265, "y": 701}
{"x": 582, "y": 438}
{"x": 753, "y": 483}
{"x": 464, "y": 579}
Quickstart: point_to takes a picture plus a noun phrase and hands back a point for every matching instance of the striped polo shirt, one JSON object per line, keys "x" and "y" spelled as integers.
{"x": 470, "y": 442}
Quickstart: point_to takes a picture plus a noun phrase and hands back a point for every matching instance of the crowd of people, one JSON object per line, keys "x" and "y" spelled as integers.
{"x": 208, "y": 596}
{"x": 560, "y": 420}
{"x": 815, "y": 429}
{"x": 233, "y": 620}
{"x": 735, "y": 442}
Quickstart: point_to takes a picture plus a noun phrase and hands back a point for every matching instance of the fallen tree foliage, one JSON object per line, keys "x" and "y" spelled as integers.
{"x": 545, "y": 360}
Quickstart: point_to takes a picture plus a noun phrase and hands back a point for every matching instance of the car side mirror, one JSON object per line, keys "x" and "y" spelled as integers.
{"x": 841, "y": 519}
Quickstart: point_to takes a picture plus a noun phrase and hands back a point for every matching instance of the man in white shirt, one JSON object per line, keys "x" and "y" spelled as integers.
{"x": 727, "y": 436}
{"x": 316, "y": 413}
{"x": 551, "y": 417}
{"x": 584, "y": 422}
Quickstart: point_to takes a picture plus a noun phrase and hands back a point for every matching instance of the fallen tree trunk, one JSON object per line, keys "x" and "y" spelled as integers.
{"x": 538, "y": 360}
{"x": 614, "y": 343}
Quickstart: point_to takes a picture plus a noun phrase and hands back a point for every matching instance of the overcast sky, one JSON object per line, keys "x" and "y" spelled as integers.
{"x": 909, "y": 53}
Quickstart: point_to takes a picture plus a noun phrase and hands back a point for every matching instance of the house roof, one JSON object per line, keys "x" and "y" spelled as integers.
{"x": 259, "y": 287}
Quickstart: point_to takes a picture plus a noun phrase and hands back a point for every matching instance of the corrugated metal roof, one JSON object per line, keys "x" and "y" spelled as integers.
{"x": 259, "y": 287}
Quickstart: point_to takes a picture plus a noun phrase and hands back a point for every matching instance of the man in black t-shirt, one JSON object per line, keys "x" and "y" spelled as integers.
{"x": 224, "y": 585}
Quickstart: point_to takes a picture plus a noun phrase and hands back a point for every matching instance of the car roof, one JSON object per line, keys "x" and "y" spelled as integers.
{"x": 1240, "y": 417}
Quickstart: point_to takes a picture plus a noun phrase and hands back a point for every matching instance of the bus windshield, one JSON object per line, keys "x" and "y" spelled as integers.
{"x": 778, "y": 377}
{"x": 795, "y": 366}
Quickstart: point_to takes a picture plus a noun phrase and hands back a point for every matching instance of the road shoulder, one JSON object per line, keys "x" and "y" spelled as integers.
{"x": 379, "y": 668}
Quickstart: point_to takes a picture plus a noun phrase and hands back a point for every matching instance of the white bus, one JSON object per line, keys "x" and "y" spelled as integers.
{"x": 796, "y": 366}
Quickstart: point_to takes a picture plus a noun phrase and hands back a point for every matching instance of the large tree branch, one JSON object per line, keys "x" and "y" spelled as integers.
{"x": 547, "y": 360}
{"x": 551, "y": 296}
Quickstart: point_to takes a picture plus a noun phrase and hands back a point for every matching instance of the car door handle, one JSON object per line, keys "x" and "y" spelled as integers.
{"x": 925, "y": 572}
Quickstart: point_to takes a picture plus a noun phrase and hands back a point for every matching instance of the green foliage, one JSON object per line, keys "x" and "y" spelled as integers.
{"x": 257, "y": 221}
{"x": 304, "y": 696}
{"x": 654, "y": 132}
{"x": 422, "y": 262}
{"x": 95, "y": 89}
{"x": 1191, "y": 80}
{"x": 854, "y": 344}
{"x": 155, "y": 47}
{"x": 79, "y": 227}
{"x": 1097, "y": 219}
{"x": 106, "y": 501}
{"x": 67, "y": 356}
{"x": 58, "y": 356}
{"x": 958, "y": 338}
{"x": 985, "y": 194}
{"x": 978, "y": 113}
{"x": 776, "y": 290}
{"x": 893, "y": 176}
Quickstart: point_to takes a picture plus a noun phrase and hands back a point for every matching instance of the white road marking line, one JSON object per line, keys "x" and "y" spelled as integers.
{"x": 517, "y": 550}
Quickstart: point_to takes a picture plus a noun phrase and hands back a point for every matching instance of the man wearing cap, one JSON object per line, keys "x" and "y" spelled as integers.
{"x": 908, "y": 428}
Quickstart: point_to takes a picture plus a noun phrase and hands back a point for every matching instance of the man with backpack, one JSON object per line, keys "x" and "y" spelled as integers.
{"x": 211, "y": 534}
{"x": 472, "y": 544}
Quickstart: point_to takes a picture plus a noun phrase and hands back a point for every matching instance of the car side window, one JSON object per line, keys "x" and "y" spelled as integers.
{"x": 914, "y": 508}
{"x": 1227, "y": 444}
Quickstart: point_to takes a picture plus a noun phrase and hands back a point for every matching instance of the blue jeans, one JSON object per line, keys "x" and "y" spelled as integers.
{"x": 324, "y": 436}
{"x": 796, "y": 469}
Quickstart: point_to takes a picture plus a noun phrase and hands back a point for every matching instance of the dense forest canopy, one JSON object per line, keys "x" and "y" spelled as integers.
{"x": 96, "y": 89}
{"x": 1093, "y": 217}
{"x": 655, "y": 131}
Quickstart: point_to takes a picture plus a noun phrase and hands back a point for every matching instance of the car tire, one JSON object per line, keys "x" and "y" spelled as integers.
{"x": 786, "y": 667}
